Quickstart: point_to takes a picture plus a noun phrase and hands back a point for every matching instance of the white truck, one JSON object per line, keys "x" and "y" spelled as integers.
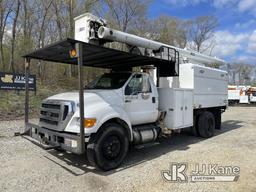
{"x": 238, "y": 94}
{"x": 125, "y": 107}
{"x": 252, "y": 94}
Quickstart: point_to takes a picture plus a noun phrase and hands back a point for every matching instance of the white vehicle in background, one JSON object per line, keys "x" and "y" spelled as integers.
{"x": 125, "y": 107}
{"x": 238, "y": 94}
{"x": 244, "y": 97}
{"x": 252, "y": 94}
{"x": 233, "y": 94}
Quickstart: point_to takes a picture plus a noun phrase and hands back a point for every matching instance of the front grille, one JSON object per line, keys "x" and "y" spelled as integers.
{"x": 51, "y": 114}
{"x": 51, "y": 106}
{"x": 55, "y": 114}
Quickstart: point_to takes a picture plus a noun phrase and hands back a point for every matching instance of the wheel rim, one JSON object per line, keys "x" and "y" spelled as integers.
{"x": 111, "y": 147}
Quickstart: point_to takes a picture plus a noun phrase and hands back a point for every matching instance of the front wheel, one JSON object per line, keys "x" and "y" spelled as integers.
{"x": 107, "y": 149}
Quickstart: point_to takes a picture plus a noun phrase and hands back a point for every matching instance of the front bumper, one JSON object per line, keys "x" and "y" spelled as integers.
{"x": 55, "y": 139}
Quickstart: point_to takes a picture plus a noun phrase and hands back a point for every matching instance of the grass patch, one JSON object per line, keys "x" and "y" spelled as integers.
{"x": 12, "y": 102}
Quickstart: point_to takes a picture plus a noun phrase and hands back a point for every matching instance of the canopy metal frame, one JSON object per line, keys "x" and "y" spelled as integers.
{"x": 93, "y": 56}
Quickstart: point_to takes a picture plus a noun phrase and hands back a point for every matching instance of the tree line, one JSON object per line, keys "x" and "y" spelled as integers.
{"x": 26, "y": 25}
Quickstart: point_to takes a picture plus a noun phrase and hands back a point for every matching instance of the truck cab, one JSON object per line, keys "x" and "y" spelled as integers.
{"x": 132, "y": 97}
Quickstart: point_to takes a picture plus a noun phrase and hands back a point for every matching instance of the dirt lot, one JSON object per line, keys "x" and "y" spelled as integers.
{"x": 26, "y": 167}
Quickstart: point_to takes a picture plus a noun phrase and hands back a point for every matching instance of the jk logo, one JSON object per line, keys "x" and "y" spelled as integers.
{"x": 177, "y": 173}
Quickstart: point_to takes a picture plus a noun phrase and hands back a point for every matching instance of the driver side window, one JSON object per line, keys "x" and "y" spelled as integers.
{"x": 138, "y": 84}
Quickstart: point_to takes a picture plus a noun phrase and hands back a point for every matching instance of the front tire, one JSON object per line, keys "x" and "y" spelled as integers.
{"x": 107, "y": 149}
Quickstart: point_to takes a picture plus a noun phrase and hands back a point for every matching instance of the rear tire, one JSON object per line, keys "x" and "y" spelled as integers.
{"x": 218, "y": 119}
{"x": 206, "y": 124}
{"x": 194, "y": 128}
{"x": 107, "y": 149}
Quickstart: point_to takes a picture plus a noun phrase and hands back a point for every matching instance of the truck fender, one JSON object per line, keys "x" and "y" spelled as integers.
{"x": 118, "y": 116}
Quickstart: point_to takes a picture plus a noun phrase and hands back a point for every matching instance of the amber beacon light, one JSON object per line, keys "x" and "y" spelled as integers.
{"x": 73, "y": 53}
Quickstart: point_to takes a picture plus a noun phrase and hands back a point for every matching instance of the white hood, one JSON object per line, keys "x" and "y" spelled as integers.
{"x": 99, "y": 104}
{"x": 111, "y": 97}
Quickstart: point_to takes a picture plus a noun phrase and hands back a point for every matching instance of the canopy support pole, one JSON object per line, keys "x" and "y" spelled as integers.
{"x": 27, "y": 71}
{"x": 79, "y": 48}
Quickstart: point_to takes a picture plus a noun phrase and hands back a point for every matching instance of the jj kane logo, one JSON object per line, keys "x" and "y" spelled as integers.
{"x": 7, "y": 79}
{"x": 178, "y": 172}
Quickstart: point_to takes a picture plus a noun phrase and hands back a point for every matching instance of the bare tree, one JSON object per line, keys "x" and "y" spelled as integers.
{"x": 14, "y": 24}
{"x": 165, "y": 29}
{"x": 27, "y": 20}
{"x": 170, "y": 31}
{"x": 123, "y": 13}
{"x": 89, "y": 5}
{"x": 41, "y": 38}
{"x": 57, "y": 6}
{"x": 71, "y": 7}
{"x": 200, "y": 31}
{"x": 5, "y": 11}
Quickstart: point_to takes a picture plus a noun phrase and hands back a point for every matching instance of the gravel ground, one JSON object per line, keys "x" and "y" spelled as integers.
{"x": 26, "y": 167}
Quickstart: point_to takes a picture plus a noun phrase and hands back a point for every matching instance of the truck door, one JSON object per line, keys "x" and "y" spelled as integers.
{"x": 140, "y": 102}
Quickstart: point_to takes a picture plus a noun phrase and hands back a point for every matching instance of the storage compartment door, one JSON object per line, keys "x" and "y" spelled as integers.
{"x": 188, "y": 108}
{"x": 178, "y": 109}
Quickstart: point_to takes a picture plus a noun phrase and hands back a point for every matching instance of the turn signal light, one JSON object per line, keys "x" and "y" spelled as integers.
{"x": 88, "y": 123}
{"x": 73, "y": 53}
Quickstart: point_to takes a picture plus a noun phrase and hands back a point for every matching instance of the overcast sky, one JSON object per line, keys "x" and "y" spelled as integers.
{"x": 236, "y": 34}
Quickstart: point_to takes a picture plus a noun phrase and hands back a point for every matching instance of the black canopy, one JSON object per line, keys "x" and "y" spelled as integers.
{"x": 98, "y": 56}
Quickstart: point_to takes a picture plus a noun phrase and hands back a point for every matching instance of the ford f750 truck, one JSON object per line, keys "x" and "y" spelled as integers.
{"x": 124, "y": 108}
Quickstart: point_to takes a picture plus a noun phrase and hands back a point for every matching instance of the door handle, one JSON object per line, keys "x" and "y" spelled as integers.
{"x": 128, "y": 101}
{"x": 153, "y": 100}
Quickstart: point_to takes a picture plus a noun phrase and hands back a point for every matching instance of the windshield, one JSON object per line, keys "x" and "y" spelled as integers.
{"x": 109, "y": 81}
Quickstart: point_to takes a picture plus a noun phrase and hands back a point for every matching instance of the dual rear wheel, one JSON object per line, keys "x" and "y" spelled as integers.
{"x": 205, "y": 124}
